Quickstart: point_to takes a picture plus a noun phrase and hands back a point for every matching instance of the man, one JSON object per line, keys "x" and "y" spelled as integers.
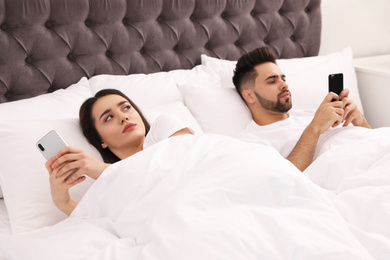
{"x": 263, "y": 87}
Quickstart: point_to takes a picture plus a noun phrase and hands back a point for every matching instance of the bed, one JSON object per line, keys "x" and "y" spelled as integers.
{"x": 202, "y": 196}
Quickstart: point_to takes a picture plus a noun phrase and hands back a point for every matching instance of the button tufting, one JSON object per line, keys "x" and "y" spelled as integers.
{"x": 126, "y": 21}
{"x": 292, "y": 38}
{"x": 4, "y": 27}
{"x": 253, "y": 13}
{"x": 88, "y": 23}
{"x": 160, "y": 19}
{"x": 28, "y": 60}
{"x": 108, "y": 53}
{"x": 71, "y": 56}
{"x": 223, "y": 15}
{"x": 48, "y": 25}
{"x": 142, "y": 51}
{"x": 307, "y": 9}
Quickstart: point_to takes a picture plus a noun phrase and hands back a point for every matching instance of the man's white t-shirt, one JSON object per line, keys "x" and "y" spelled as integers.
{"x": 163, "y": 127}
{"x": 282, "y": 135}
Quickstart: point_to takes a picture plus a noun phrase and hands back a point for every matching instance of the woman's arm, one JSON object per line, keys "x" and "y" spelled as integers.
{"x": 183, "y": 131}
{"x": 60, "y": 189}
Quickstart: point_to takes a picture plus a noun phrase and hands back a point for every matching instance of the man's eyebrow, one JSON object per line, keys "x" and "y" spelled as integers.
{"x": 108, "y": 110}
{"x": 275, "y": 76}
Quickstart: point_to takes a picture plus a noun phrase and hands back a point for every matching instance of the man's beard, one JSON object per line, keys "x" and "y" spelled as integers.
{"x": 275, "y": 106}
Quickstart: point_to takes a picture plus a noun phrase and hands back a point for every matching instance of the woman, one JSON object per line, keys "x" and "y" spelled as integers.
{"x": 114, "y": 125}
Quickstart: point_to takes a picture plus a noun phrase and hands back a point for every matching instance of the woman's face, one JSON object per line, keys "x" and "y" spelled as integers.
{"x": 120, "y": 126}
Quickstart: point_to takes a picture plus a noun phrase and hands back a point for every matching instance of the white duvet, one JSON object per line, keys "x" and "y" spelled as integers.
{"x": 215, "y": 197}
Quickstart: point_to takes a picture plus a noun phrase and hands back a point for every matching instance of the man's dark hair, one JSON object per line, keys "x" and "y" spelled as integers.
{"x": 245, "y": 68}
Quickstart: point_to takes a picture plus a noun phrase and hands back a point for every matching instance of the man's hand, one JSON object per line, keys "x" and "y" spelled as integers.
{"x": 328, "y": 114}
{"x": 351, "y": 111}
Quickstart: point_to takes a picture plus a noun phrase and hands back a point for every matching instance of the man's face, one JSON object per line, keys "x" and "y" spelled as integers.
{"x": 271, "y": 89}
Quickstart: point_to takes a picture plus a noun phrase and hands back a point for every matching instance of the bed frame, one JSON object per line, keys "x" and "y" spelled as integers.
{"x": 46, "y": 45}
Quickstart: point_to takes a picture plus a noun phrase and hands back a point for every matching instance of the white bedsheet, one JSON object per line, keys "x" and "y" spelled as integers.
{"x": 354, "y": 163}
{"x": 200, "y": 197}
{"x": 5, "y": 227}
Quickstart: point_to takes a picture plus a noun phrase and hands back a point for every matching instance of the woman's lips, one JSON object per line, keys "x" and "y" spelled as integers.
{"x": 129, "y": 127}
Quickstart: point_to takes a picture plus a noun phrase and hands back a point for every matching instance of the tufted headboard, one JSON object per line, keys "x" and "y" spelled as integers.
{"x": 46, "y": 45}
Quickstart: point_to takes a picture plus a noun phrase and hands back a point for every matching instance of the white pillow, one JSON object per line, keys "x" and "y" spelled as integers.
{"x": 23, "y": 176}
{"x": 307, "y": 77}
{"x": 157, "y": 93}
{"x": 63, "y": 103}
{"x": 218, "y": 110}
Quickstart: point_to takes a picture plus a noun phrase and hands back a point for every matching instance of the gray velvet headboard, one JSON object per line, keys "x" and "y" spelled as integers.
{"x": 50, "y": 44}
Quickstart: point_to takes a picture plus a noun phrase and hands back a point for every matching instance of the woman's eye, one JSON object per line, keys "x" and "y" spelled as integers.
{"x": 127, "y": 107}
{"x": 108, "y": 118}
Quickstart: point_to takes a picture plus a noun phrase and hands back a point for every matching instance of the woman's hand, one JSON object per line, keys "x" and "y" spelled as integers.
{"x": 71, "y": 160}
{"x": 60, "y": 189}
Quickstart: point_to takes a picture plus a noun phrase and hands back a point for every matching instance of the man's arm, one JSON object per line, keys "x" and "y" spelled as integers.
{"x": 303, "y": 152}
{"x": 328, "y": 114}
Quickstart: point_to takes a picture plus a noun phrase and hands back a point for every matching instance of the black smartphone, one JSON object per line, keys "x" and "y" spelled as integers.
{"x": 336, "y": 83}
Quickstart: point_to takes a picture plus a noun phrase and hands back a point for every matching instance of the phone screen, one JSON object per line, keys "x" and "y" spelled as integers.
{"x": 336, "y": 83}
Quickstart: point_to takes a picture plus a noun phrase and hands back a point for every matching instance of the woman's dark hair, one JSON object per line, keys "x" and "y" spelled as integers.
{"x": 88, "y": 125}
{"x": 245, "y": 68}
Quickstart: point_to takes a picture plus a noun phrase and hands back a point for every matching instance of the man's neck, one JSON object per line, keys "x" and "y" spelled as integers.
{"x": 266, "y": 118}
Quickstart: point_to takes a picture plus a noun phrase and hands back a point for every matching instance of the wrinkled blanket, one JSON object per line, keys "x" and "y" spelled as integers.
{"x": 207, "y": 197}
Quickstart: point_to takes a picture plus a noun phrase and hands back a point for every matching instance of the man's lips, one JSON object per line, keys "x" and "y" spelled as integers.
{"x": 129, "y": 127}
{"x": 285, "y": 94}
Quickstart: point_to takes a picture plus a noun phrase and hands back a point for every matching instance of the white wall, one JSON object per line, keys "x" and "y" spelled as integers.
{"x": 362, "y": 24}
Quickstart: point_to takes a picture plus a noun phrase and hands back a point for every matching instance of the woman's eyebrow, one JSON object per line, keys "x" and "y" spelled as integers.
{"x": 109, "y": 109}
{"x": 105, "y": 112}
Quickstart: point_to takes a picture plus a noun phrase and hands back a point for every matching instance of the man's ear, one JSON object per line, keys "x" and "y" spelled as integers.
{"x": 248, "y": 95}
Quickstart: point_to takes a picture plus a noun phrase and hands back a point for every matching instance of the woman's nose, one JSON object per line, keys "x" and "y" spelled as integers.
{"x": 125, "y": 118}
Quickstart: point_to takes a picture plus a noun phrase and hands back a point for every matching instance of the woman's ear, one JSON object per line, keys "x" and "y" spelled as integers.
{"x": 104, "y": 145}
{"x": 248, "y": 95}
